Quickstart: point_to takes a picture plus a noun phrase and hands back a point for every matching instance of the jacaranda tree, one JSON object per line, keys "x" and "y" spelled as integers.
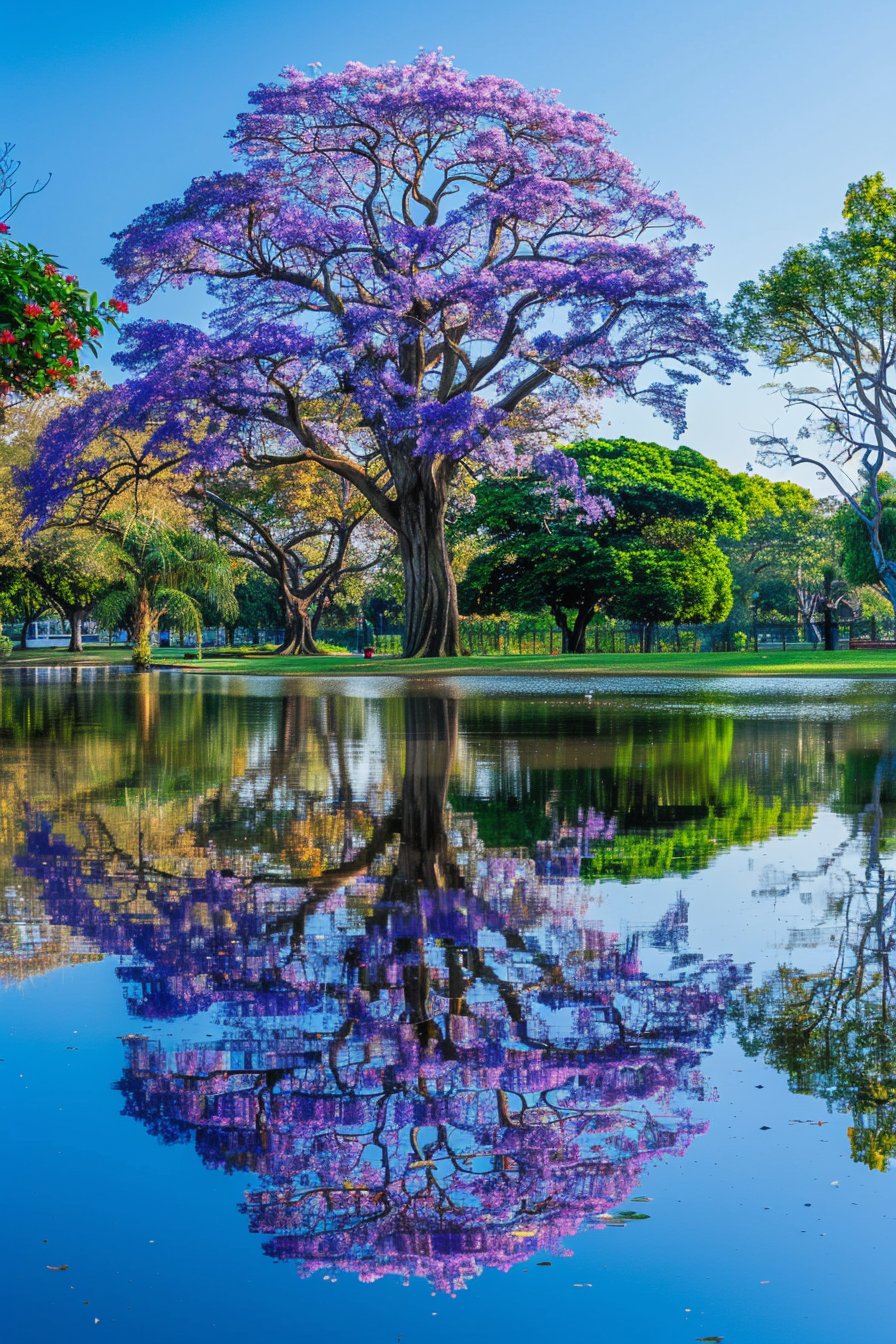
{"x": 410, "y": 270}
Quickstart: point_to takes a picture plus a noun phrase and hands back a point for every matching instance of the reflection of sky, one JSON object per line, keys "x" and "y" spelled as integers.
{"x": 727, "y": 907}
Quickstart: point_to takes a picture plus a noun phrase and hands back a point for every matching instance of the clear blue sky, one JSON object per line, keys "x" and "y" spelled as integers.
{"x": 758, "y": 114}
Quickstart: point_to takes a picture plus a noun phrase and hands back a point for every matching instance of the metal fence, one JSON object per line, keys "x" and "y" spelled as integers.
{"x": 521, "y": 635}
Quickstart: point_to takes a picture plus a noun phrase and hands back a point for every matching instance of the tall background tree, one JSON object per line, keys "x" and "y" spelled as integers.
{"x": 411, "y": 271}
{"x": 826, "y": 313}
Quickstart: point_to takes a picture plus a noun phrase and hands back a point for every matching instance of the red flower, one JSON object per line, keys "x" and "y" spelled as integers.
{"x": 54, "y": 373}
{"x": 118, "y": 305}
{"x": 7, "y": 338}
{"x": 65, "y": 362}
{"x": 32, "y": 310}
{"x": 95, "y": 331}
{"x": 74, "y": 342}
{"x": 4, "y": 228}
{"x": 72, "y": 380}
{"x": 56, "y": 308}
{"x": 71, "y": 279}
{"x": 50, "y": 269}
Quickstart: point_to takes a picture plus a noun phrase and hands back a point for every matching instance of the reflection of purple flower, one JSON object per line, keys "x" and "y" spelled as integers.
{"x": 672, "y": 930}
{"x": 570, "y": 843}
{"x": 427, "y": 1083}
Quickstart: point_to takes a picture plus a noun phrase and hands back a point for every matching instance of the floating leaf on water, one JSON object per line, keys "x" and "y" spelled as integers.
{"x": 60, "y": 1269}
{"x": 631, "y": 1215}
{"x": 523, "y": 1232}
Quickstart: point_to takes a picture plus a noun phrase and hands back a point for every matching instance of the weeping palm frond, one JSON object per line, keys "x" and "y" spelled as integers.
{"x": 181, "y": 609}
{"x": 112, "y": 611}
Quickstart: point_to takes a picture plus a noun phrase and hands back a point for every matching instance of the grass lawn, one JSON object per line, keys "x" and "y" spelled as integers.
{"x": 843, "y": 663}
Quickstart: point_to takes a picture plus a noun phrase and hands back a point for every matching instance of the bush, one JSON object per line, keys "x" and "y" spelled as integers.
{"x": 739, "y": 640}
{"x": 5, "y": 647}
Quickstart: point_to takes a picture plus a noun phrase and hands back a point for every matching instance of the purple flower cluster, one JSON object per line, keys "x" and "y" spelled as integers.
{"x": 567, "y": 491}
{"x": 406, "y": 261}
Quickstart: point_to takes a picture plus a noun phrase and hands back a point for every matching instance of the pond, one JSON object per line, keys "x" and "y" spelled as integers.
{"x": 362, "y": 1009}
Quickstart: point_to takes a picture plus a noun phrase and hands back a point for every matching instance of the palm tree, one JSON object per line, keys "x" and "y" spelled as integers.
{"x": 166, "y": 569}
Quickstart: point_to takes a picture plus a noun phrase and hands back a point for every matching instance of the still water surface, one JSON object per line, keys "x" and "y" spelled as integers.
{"x": 340, "y": 1011}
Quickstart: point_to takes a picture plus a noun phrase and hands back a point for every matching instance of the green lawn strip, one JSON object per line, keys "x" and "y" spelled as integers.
{"x": 93, "y": 656}
{"x": 797, "y": 664}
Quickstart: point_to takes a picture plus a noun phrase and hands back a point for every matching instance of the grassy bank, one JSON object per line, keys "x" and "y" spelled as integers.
{"x": 797, "y": 664}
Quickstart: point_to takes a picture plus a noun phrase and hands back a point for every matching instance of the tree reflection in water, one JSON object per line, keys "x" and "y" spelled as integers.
{"x": 832, "y": 1031}
{"x": 427, "y": 1055}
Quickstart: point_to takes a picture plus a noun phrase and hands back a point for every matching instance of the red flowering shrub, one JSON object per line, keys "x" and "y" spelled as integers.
{"x": 46, "y": 319}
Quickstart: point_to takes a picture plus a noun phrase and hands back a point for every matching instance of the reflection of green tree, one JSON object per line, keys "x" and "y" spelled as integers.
{"x": 680, "y": 787}
{"x": 832, "y": 1032}
{"x": 738, "y": 817}
{"x": 861, "y": 777}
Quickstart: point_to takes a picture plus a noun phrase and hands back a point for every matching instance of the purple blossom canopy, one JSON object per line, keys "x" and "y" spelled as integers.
{"x": 406, "y": 262}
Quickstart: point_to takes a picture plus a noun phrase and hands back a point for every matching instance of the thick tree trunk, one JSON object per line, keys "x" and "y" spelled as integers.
{"x": 142, "y": 654}
{"x": 76, "y": 621}
{"x": 23, "y": 637}
{"x": 573, "y": 638}
{"x": 298, "y": 638}
{"x": 580, "y": 629}
{"x": 828, "y": 629}
{"x": 886, "y": 569}
{"x": 563, "y": 627}
{"x": 430, "y": 593}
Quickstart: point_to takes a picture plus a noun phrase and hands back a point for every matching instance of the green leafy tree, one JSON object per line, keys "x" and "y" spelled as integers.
{"x": 532, "y": 557}
{"x": 258, "y": 603}
{"x": 788, "y": 539}
{"x": 72, "y": 570}
{"x": 656, "y": 559}
{"x": 858, "y": 560}
{"x": 826, "y": 315}
{"x": 21, "y": 601}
